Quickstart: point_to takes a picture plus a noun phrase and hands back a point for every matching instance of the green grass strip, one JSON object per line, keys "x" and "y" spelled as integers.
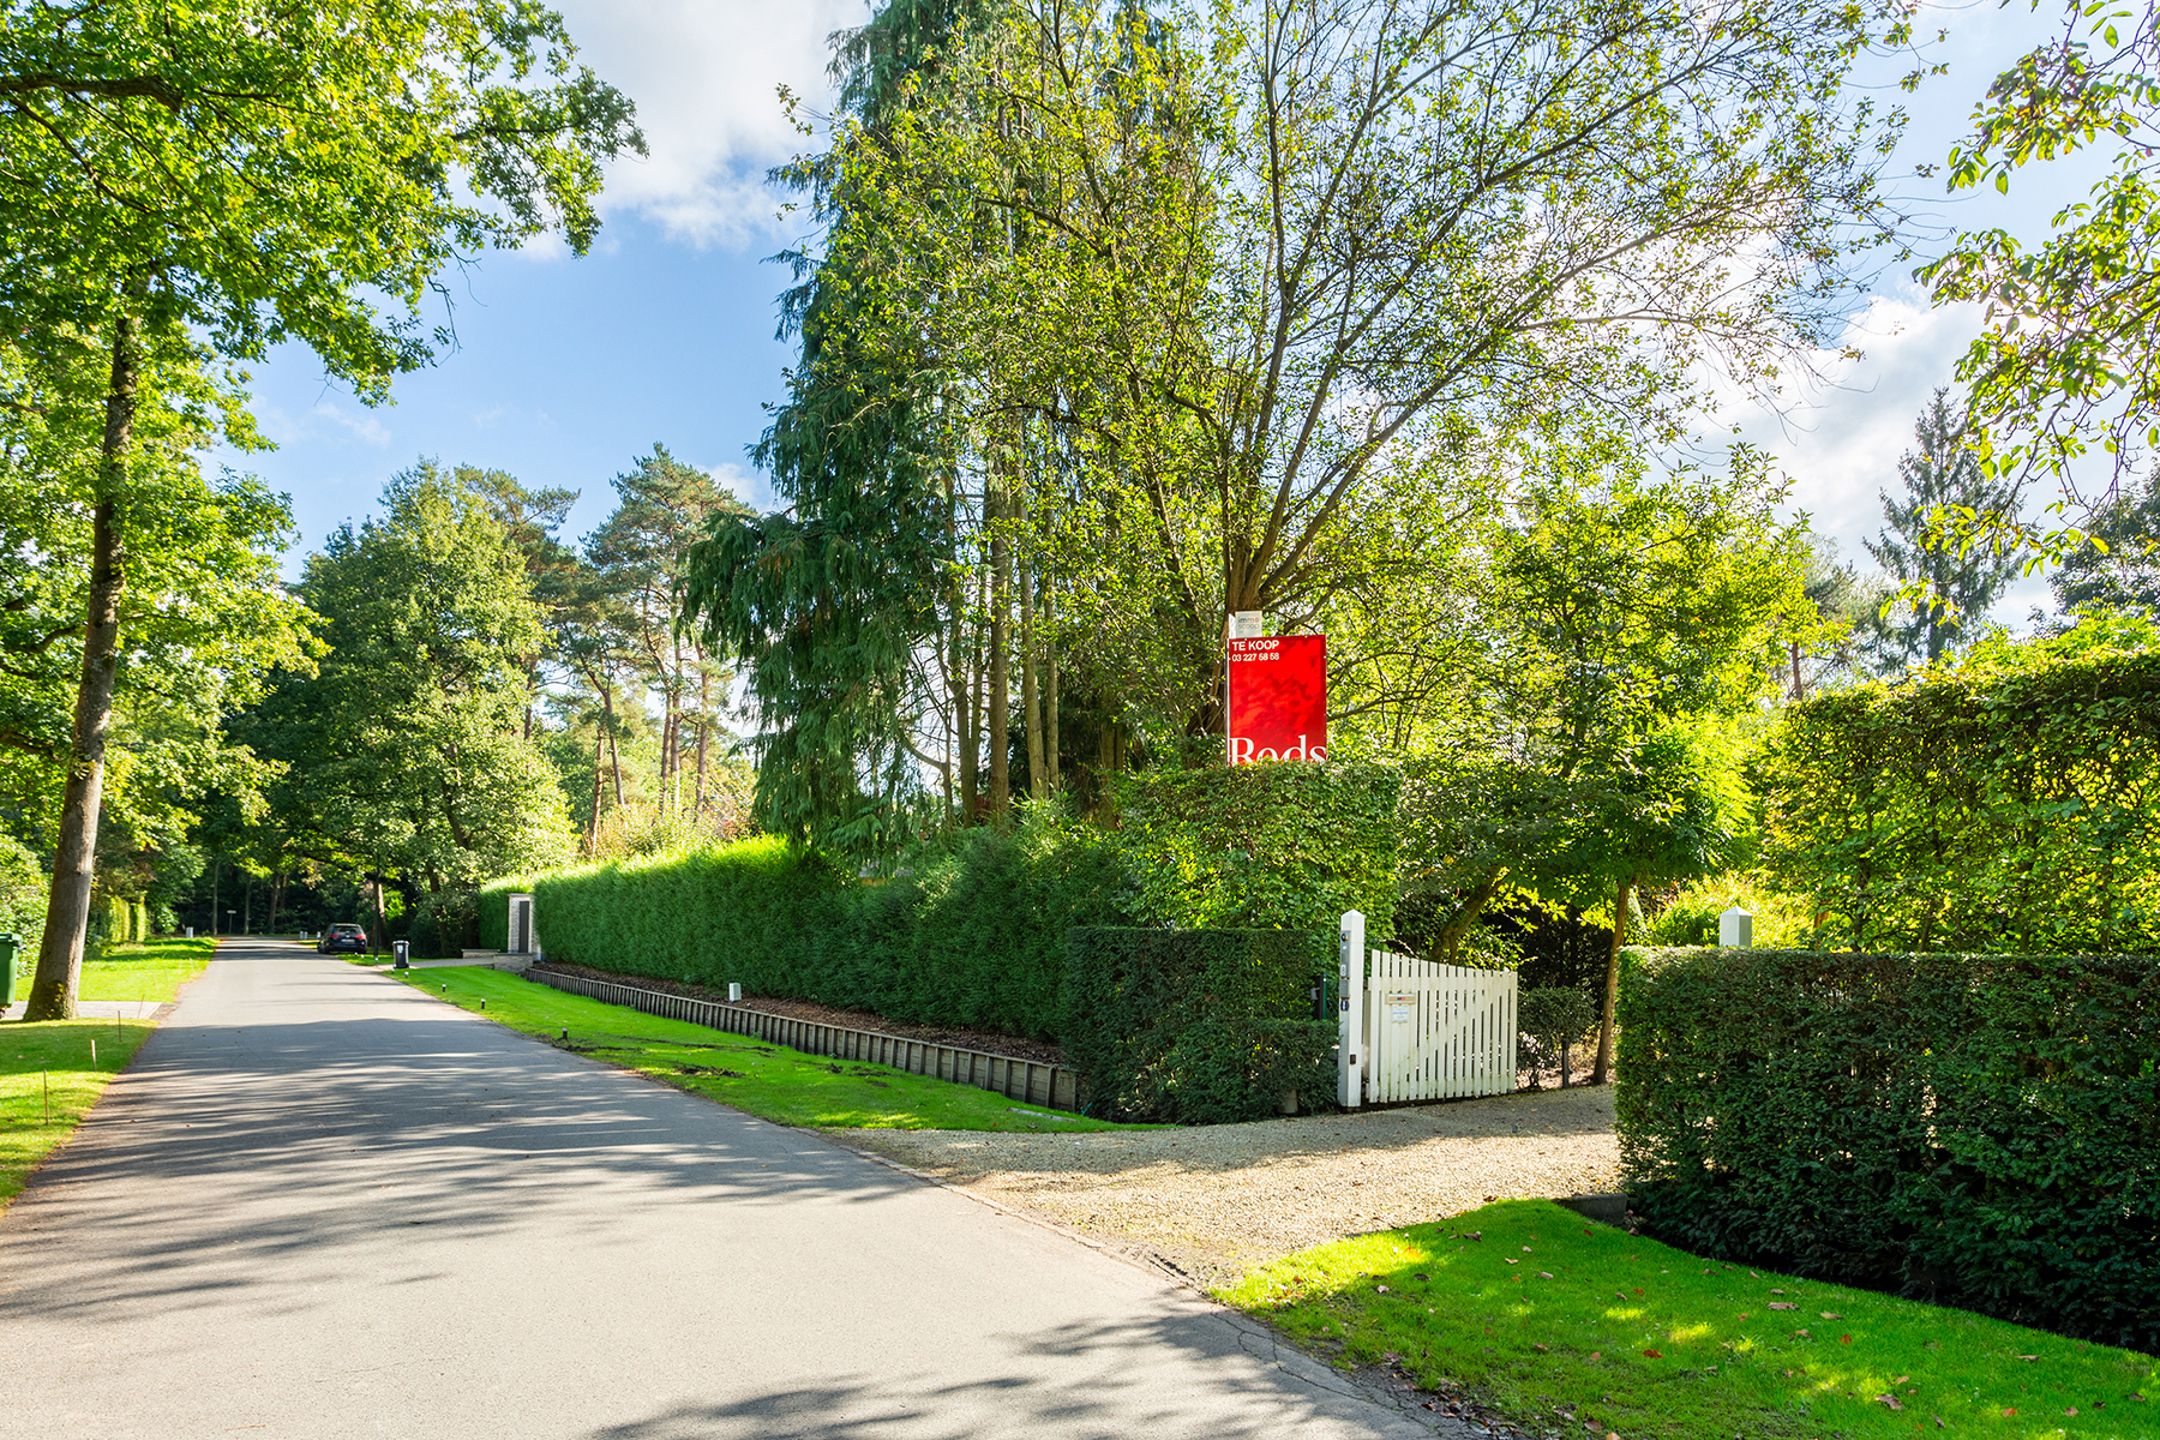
{"x": 1556, "y": 1322}
{"x": 149, "y": 974}
{"x": 52, "y": 1072}
{"x": 767, "y": 1080}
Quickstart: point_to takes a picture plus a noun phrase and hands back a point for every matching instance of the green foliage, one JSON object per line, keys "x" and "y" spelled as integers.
{"x": 406, "y": 754}
{"x": 2009, "y": 803}
{"x": 1980, "y": 1129}
{"x": 1553, "y": 1019}
{"x": 1289, "y": 846}
{"x": 1196, "y": 1026}
{"x": 443, "y": 922}
{"x": 22, "y": 896}
{"x": 2066, "y": 363}
{"x": 1946, "y": 588}
{"x": 971, "y": 933}
{"x": 1690, "y": 917}
{"x": 491, "y": 910}
{"x": 1567, "y": 1328}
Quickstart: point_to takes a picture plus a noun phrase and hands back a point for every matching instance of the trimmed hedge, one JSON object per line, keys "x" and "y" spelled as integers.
{"x": 1981, "y": 1130}
{"x": 1264, "y": 847}
{"x": 1195, "y": 1026}
{"x": 2006, "y": 803}
{"x": 492, "y": 911}
{"x": 972, "y": 936}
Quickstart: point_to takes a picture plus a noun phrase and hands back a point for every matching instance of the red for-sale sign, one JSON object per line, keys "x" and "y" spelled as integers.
{"x": 1278, "y": 699}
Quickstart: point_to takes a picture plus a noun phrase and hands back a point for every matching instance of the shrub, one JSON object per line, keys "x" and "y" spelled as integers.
{"x": 1691, "y": 916}
{"x": 1982, "y": 1130}
{"x": 442, "y": 923}
{"x": 2002, "y": 804}
{"x": 1286, "y": 847}
{"x": 1554, "y": 1020}
{"x": 971, "y": 933}
{"x": 1194, "y": 1026}
{"x": 23, "y": 887}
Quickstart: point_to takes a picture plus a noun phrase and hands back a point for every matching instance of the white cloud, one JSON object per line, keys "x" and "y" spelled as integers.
{"x": 704, "y": 74}
{"x": 358, "y": 423}
{"x": 1852, "y": 420}
{"x": 748, "y": 486}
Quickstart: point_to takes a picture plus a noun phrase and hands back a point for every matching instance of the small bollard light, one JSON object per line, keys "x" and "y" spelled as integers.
{"x": 483, "y": 1003}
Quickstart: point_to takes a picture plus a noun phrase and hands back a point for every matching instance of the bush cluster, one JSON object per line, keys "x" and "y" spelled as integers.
{"x": 117, "y": 920}
{"x": 443, "y": 923}
{"x": 2007, "y": 804}
{"x": 971, "y": 933}
{"x": 970, "y": 930}
{"x": 1195, "y": 1026}
{"x": 1263, "y": 847}
{"x": 1982, "y": 1130}
{"x": 1556, "y": 1021}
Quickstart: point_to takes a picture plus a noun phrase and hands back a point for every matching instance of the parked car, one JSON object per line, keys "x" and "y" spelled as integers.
{"x": 342, "y": 937}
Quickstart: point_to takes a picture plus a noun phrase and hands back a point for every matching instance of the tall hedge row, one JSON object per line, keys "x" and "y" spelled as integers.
{"x": 970, "y": 931}
{"x": 2010, "y": 804}
{"x": 972, "y": 935}
{"x": 1263, "y": 846}
{"x": 1195, "y": 1026}
{"x": 1982, "y": 1130}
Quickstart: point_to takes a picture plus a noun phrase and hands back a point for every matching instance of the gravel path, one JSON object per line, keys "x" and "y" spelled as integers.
{"x": 1217, "y": 1200}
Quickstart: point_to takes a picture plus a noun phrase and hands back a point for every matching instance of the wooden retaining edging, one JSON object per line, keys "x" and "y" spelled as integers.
{"x": 1032, "y": 1082}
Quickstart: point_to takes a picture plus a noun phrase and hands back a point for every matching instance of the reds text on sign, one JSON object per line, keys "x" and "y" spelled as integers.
{"x": 1278, "y": 699}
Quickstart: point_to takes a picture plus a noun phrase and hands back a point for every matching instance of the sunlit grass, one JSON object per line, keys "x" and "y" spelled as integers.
{"x": 768, "y": 1080}
{"x": 1558, "y": 1322}
{"x": 52, "y": 1072}
{"x": 150, "y": 973}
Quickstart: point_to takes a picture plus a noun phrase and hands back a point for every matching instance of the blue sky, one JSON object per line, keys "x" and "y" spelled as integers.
{"x": 568, "y": 368}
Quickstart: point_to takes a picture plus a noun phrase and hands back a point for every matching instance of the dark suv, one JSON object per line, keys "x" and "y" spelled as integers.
{"x": 342, "y": 937}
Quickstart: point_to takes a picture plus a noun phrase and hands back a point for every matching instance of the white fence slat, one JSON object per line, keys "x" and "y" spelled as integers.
{"x": 1425, "y": 1031}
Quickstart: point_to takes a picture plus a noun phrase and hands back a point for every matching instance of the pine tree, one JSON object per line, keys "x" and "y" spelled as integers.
{"x": 1942, "y": 478}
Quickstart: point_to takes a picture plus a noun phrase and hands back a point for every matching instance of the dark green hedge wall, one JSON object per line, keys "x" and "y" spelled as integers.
{"x": 1195, "y": 1026}
{"x": 492, "y": 928}
{"x": 2011, "y": 804}
{"x": 1263, "y": 847}
{"x": 1982, "y": 1130}
{"x": 971, "y": 934}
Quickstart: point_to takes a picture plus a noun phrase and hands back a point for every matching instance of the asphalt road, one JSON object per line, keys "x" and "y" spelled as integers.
{"x": 322, "y": 1204}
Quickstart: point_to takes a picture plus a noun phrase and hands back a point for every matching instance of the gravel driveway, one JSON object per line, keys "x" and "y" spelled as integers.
{"x": 1217, "y": 1200}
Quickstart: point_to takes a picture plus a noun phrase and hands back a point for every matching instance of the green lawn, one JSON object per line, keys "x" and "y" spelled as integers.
{"x": 1557, "y": 1322}
{"x": 48, "y": 1076}
{"x": 768, "y": 1080}
{"x": 150, "y": 973}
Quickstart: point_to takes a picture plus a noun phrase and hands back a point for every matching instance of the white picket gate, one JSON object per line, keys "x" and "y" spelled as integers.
{"x": 1414, "y": 1030}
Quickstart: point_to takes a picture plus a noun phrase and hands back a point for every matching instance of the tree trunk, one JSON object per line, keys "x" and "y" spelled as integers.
{"x": 599, "y": 782}
{"x": 1466, "y": 914}
{"x": 277, "y": 900}
{"x": 1799, "y": 687}
{"x": 704, "y": 731}
{"x": 381, "y": 940}
{"x": 1050, "y": 691}
{"x": 1031, "y": 688}
{"x": 1602, "y": 1070}
{"x": 607, "y": 712}
{"x": 971, "y": 736}
{"x": 1000, "y": 697}
{"x": 67, "y": 904}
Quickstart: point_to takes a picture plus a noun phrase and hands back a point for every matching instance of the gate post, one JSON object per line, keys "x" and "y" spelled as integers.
{"x": 1350, "y": 1020}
